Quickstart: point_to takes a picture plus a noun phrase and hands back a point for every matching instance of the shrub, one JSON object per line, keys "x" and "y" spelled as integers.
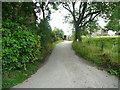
{"x": 45, "y": 32}
{"x": 19, "y": 45}
{"x": 57, "y": 35}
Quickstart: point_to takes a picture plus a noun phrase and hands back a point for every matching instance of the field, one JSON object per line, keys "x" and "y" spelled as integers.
{"x": 103, "y": 50}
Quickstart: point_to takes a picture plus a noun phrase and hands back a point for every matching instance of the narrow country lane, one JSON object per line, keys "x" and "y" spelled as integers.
{"x": 64, "y": 69}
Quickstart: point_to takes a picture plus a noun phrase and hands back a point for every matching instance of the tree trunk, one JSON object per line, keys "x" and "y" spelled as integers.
{"x": 43, "y": 13}
{"x": 77, "y": 34}
{"x": 77, "y": 29}
{"x": 42, "y": 8}
{"x": 90, "y": 32}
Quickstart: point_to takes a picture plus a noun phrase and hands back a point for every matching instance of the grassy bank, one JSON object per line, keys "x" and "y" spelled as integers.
{"x": 14, "y": 77}
{"x": 100, "y": 50}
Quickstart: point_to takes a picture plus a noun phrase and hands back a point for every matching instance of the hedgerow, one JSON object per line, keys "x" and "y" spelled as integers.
{"x": 19, "y": 46}
{"x": 44, "y": 30}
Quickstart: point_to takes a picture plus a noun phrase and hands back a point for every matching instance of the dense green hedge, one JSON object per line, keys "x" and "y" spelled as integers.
{"x": 22, "y": 46}
{"x": 57, "y": 34}
{"x": 19, "y": 46}
{"x": 45, "y": 32}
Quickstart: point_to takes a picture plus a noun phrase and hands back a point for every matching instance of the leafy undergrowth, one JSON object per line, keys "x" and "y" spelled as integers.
{"x": 17, "y": 76}
{"x": 100, "y": 50}
{"x": 14, "y": 77}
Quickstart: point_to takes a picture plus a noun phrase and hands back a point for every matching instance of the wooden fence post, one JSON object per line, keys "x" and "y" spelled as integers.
{"x": 102, "y": 46}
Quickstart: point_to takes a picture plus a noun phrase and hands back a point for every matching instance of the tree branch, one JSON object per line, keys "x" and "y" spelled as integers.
{"x": 67, "y": 8}
{"x": 80, "y": 10}
{"x": 82, "y": 13}
{"x": 90, "y": 19}
{"x": 73, "y": 6}
{"x": 91, "y": 14}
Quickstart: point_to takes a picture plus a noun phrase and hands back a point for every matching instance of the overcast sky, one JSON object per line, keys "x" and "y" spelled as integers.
{"x": 57, "y": 19}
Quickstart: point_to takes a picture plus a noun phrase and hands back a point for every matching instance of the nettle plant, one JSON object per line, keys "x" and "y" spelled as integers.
{"x": 19, "y": 46}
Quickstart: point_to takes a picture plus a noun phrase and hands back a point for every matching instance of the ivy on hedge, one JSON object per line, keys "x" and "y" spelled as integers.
{"x": 19, "y": 46}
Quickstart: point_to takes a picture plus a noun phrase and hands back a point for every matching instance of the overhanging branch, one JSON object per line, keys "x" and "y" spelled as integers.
{"x": 82, "y": 13}
{"x": 80, "y": 10}
{"x": 90, "y": 19}
{"x": 91, "y": 14}
{"x": 67, "y": 7}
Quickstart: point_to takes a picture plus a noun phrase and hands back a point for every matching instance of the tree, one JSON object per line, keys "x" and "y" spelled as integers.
{"x": 44, "y": 30}
{"x": 85, "y": 13}
{"x": 44, "y": 8}
{"x": 92, "y": 27}
{"x": 59, "y": 33}
{"x": 19, "y": 12}
{"x": 114, "y": 22}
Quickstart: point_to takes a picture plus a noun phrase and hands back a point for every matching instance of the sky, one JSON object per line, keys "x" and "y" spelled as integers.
{"x": 57, "y": 19}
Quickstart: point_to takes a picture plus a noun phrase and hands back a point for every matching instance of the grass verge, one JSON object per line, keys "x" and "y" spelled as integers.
{"x": 102, "y": 51}
{"x": 12, "y": 78}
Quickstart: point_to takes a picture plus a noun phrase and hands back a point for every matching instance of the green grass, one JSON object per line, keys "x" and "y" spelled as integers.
{"x": 54, "y": 44}
{"x": 12, "y": 78}
{"x": 91, "y": 49}
{"x": 17, "y": 76}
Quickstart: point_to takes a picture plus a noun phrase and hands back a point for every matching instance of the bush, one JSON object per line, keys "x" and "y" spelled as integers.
{"x": 45, "y": 32}
{"x": 55, "y": 38}
{"x": 19, "y": 45}
{"x": 57, "y": 34}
